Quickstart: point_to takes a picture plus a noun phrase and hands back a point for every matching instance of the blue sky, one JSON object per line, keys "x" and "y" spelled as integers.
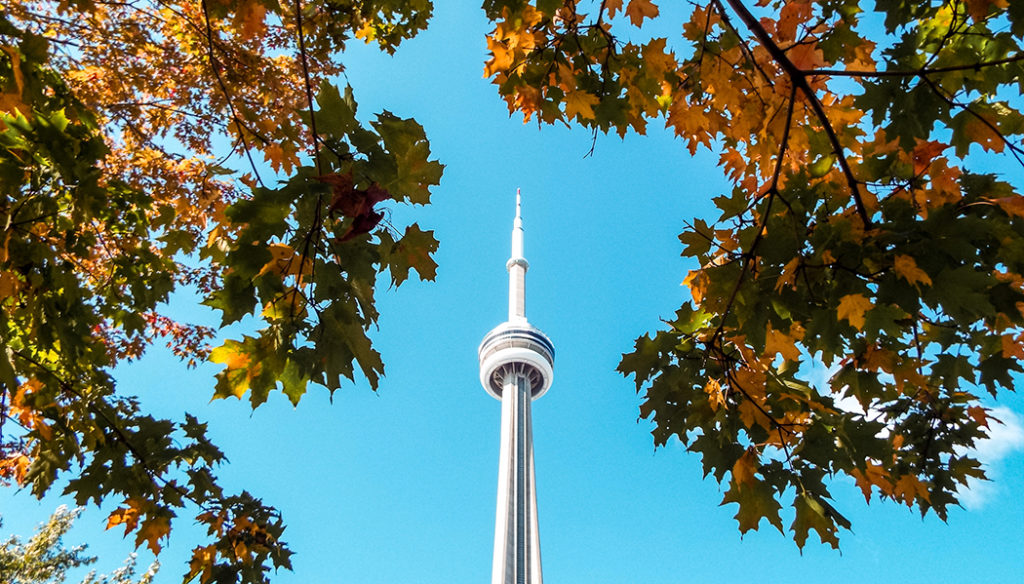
{"x": 399, "y": 485}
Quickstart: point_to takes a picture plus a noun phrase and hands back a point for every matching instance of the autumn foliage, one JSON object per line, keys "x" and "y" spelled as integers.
{"x": 122, "y": 125}
{"x": 861, "y": 292}
{"x": 863, "y": 287}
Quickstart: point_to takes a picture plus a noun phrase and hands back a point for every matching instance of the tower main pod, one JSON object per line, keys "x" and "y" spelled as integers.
{"x": 516, "y": 362}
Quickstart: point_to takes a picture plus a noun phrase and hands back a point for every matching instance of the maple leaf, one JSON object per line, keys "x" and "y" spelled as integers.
{"x": 813, "y": 514}
{"x": 908, "y": 489}
{"x": 924, "y": 152}
{"x": 852, "y": 308}
{"x": 657, "y": 58}
{"x": 906, "y": 268}
{"x": 745, "y": 467}
{"x": 11, "y": 101}
{"x": 127, "y": 515}
{"x": 873, "y": 475}
{"x": 716, "y": 398}
{"x": 152, "y": 531}
{"x": 792, "y": 15}
{"x": 580, "y": 104}
{"x": 413, "y": 252}
{"x": 779, "y": 343}
{"x": 1012, "y": 205}
{"x": 979, "y": 415}
{"x": 638, "y": 10}
{"x": 250, "y": 18}
{"x": 755, "y": 502}
{"x": 806, "y": 57}
{"x": 284, "y": 261}
{"x": 979, "y": 9}
{"x": 976, "y": 130}
{"x": 612, "y": 6}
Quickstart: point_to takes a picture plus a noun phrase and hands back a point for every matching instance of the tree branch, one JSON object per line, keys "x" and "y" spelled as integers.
{"x": 799, "y": 80}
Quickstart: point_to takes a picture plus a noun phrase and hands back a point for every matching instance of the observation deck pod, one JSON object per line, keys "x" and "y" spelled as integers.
{"x": 517, "y": 348}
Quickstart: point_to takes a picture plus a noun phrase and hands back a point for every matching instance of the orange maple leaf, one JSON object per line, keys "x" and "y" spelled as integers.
{"x": 716, "y": 398}
{"x": 502, "y": 59}
{"x": 906, "y": 268}
{"x": 779, "y": 343}
{"x": 979, "y": 9}
{"x": 744, "y": 468}
{"x": 978, "y": 131}
{"x": 979, "y": 415}
{"x": 638, "y": 10}
{"x": 152, "y": 531}
{"x": 806, "y": 57}
{"x": 793, "y": 14}
{"x": 924, "y": 152}
{"x": 909, "y": 489}
{"x": 612, "y": 6}
{"x": 1012, "y": 347}
{"x": 250, "y": 19}
{"x": 852, "y": 308}
{"x": 128, "y": 515}
{"x": 872, "y": 475}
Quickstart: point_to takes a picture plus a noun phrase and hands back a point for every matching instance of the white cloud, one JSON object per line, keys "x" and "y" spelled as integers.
{"x": 1003, "y": 440}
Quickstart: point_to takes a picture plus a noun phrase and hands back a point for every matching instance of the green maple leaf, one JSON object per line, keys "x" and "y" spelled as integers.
{"x": 756, "y": 500}
{"x": 412, "y": 252}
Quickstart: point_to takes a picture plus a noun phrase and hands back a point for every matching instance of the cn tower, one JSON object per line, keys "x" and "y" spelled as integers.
{"x": 516, "y": 367}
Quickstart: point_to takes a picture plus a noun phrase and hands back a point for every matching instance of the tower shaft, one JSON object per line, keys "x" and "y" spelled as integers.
{"x": 516, "y": 534}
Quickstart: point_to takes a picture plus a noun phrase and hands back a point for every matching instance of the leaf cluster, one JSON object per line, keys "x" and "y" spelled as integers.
{"x": 861, "y": 289}
{"x": 110, "y": 198}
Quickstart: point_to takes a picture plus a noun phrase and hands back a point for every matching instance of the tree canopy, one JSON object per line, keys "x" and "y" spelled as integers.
{"x": 865, "y": 236}
{"x": 43, "y": 559}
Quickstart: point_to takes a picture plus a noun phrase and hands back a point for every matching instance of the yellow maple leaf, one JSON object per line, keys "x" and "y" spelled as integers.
{"x": 201, "y": 563}
{"x": 852, "y": 308}
{"x": 906, "y": 268}
{"x": 637, "y": 10}
{"x": 231, "y": 355}
{"x": 580, "y": 103}
{"x": 286, "y": 262}
{"x": 10, "y": 101}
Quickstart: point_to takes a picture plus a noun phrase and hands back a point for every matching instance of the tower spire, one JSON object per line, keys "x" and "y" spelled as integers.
{"x": 516, "y": 366}
{"x": 517, "y": 266}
